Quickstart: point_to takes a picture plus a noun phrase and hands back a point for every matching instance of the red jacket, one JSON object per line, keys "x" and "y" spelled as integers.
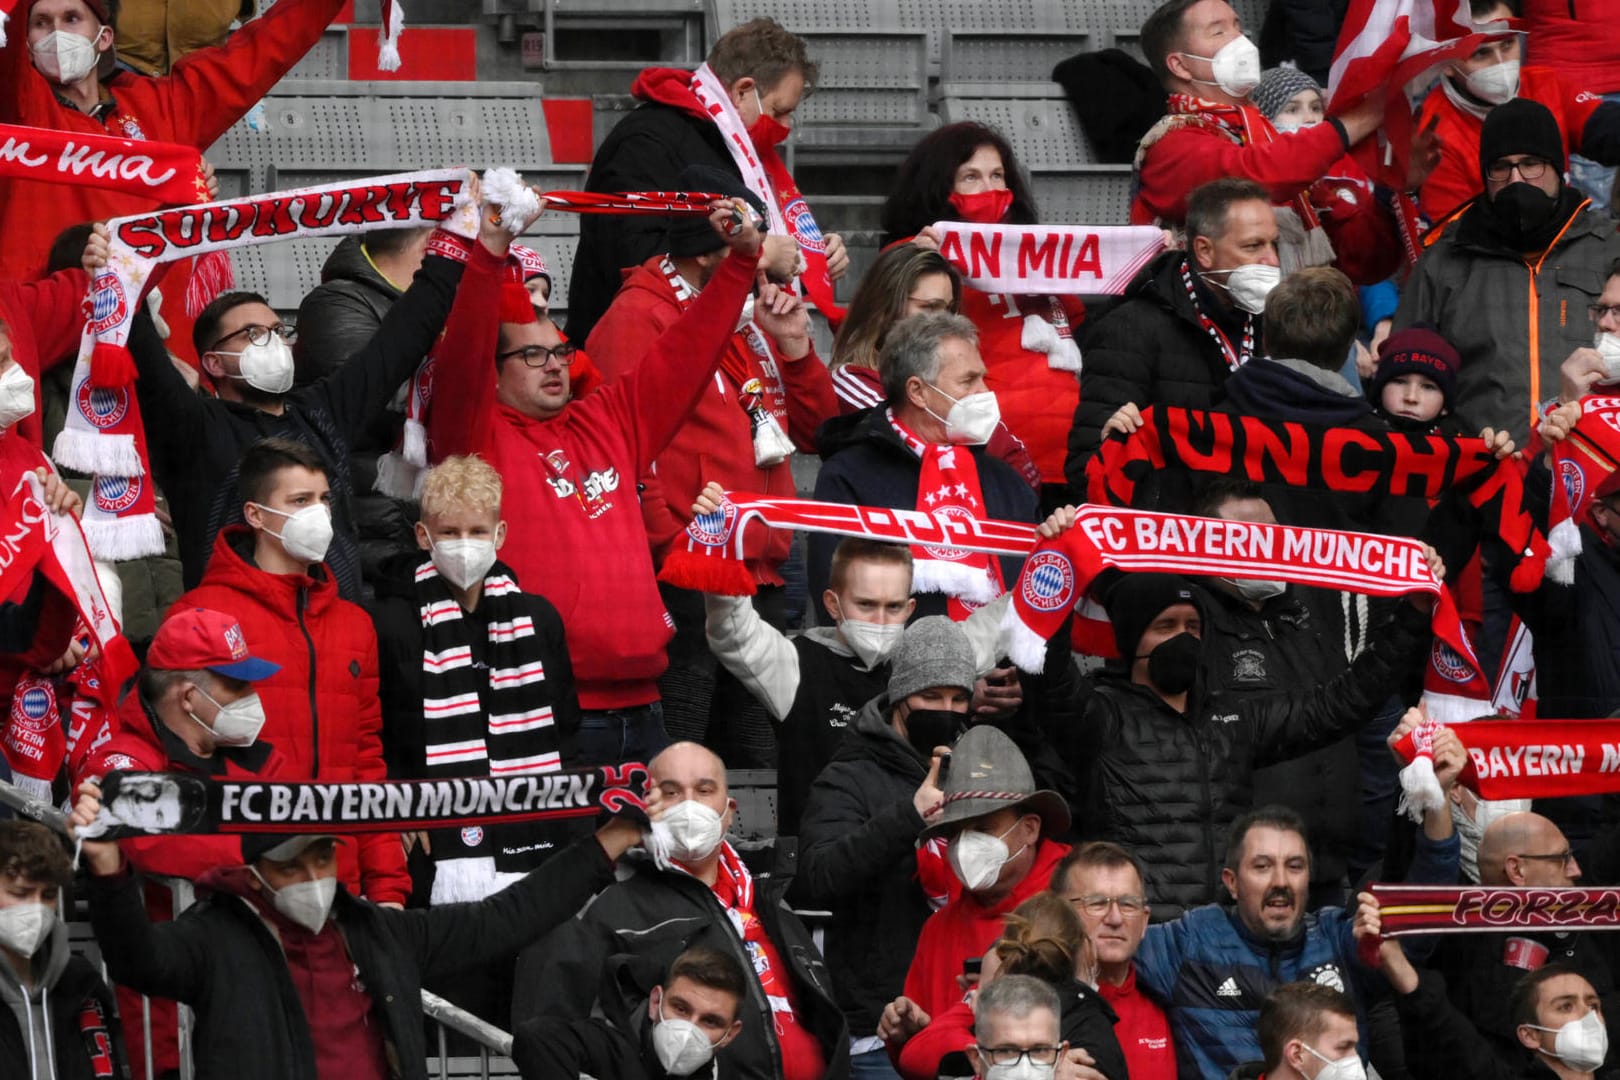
{"x": 716, "y": 440}
{"x": 1364, "y": 238}
{"x": 44, "y": 320}
{"x": 966, "y": 928}
{"x": 1578, "y": 38}
{"x": 1143, "y": 1030}
{"x": 207, "y": 92}
{"x": 321, "y": 708}
{"x": 1037, "y": 401}
{"x": 574, "y": 527}
{"x": 1456, "y": 179}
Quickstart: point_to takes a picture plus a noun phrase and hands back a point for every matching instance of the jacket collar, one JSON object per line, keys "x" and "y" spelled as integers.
{"x": 232, "y": 567}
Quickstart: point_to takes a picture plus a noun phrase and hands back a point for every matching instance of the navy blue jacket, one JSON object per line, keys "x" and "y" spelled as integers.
{"x": 1211, "y": 974}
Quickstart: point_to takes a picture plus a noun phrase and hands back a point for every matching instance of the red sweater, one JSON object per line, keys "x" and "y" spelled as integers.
{"x": 321, "y": 708}
{"x": 966, "y": 928}
{"x": 1365, "y": 241}
{"x": 207, "y": 92}
{"x": 1456, "y": 179}
{"x": 1579, "y": 38}
{"x": 1143, "y": 1030}
{"x": 577, "y": 538}
{"x": 44, "y": 320}
{"x": 716, "y": 440}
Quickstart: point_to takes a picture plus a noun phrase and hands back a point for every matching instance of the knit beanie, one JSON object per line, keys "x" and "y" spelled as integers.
{"x": 690, "y": 234}
{"x": 1277, "y": 88}
{"x": 99, "y": 7}
{"x": 1521, "y": 126}
{"x": 1416, "y": 350}
{"x": 934, "y": 651}
{"x": 1137, "y": 600}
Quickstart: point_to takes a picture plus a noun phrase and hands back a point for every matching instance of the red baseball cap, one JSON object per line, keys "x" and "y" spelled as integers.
{"x": 201, "y": 638}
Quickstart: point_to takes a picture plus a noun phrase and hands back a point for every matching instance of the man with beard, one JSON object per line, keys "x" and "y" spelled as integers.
{"x": 1505, "y": 281}
{"x": 1214, "y": 967}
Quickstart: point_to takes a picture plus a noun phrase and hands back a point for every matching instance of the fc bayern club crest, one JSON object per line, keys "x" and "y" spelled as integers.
{"x": 712, "y": 530}
{"x": 33, "y": 709}
{"x": 108, "y": 305}
{"x": 1048, "y": 581}
{"x": 803, "y": 224}
{"x": 102, "y": 406}
{"x": 472, "y": 835}
{"x": 1449, "y": 664}
{"x": 115, "y": 494}
{"x": 1574, "y": 478}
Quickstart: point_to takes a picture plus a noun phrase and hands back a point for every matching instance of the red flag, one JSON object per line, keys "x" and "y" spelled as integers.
{"x": 1392, "y": 46}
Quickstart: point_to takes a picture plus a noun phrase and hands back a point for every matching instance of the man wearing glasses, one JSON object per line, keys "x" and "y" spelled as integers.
{"x": 1481, "y": 969}
{"x": 1015, "y": 1030}
{"x": 1104, "y": 884}
{"x": 1509, "y": 279}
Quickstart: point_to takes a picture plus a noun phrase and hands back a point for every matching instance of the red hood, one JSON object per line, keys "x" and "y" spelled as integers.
{"x": 227, "y": 569}
{"x": 668, "y": 86}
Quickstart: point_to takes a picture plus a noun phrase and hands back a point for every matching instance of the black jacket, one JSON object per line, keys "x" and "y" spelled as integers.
{"x": 646, "y": 151}
{"x": 1577, "y": 635}
{"x": 622, "y": 945}
{"x": 221, "y": 958}
{"x": 864, "y": 463}
{"x": 1168, "y": 785}
{"x": 1433, "y": 1031}
{"x": 545, "y": 1049}
{"x": 857, "y": 859}
{"x": 1150, "y": 350}
{"x": 196, "y": 441}
{"x": 1294, "y": 640}
{"x": 76, "y": 1005}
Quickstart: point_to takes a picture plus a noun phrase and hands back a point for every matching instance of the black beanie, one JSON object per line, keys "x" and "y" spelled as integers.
{"x": 1521, "y": 126}
{"x": 690, "y": 234}
{"x": 1138, "y": 599}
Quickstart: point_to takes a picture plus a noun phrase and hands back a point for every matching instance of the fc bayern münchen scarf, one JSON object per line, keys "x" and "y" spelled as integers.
{"x": 1390, "y": 464}
{"x": 1580, "y": 463}
{"x": 1449, "y": 909}
{"x": 1536, "y": 759}
{"x": 1062, "y": 259}
{"x": 161, "y": 804}
{"x": 104, "y": 434}
{"x": 167, "y": 173}
{"x": 767, "y": 177}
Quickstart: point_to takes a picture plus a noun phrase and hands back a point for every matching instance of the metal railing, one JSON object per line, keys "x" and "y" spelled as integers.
{"x": 493, "y": 1043}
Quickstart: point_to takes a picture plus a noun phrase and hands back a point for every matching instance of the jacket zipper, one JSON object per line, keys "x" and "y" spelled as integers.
{"x": 1212, "y": 872}
{"x": 314, "y": 713}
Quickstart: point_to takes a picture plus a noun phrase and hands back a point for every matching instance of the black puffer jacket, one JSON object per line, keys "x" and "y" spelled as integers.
{"x": 857, "y": 859}
{"x": 620, "y": 947}
{"x": 1150, "y": 350}
{"x": 646, "y": 151}
{"x": 221, "y": 958}
{"x": 1168, "y": 786}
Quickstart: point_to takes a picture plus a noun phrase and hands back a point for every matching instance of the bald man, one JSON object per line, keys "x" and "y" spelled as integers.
{"x": 1521, "y": 849}
{"x": 621, "y": 946}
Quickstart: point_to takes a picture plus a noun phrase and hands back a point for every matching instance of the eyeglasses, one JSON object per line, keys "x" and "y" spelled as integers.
{"x": 537, "y": 356}
{"x": 1011, "y": 1055}
{"x": 260, "y": 335}
{"x": 1529, "y": 168}
{"x": 1601, "y": 311}
{"x": 1558, "y": 856}
{"x": 1098, "y": 905}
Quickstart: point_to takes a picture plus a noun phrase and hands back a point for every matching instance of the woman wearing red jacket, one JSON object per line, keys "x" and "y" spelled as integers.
{"x": 967, "y": 172}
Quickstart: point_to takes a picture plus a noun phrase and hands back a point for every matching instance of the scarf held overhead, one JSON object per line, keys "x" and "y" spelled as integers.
{"x": 1451, "y": 909}
{"x": 1536, "y": 759}
{"x": 104, "y": 434}
{"x": 159, "y": 804}
{"x": 1067, "y": 259}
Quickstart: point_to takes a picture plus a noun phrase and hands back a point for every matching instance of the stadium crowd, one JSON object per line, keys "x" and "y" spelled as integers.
{"x": 1146, "y": 853}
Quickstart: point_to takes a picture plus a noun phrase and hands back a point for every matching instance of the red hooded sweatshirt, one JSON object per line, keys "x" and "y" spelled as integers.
{"x": 716, "y": 440}
{"x": 574, "y": 526}
{"x": 965, "y": 928}
{"x": 43, "y": 319}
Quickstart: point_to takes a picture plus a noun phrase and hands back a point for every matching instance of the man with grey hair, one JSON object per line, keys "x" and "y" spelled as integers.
{"x": 1015, "y": 1029}
{"x": 924, "y": 450}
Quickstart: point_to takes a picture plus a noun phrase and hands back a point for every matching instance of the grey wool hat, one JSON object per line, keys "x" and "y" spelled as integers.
{"x": 988, "y": 773}
{"x": 933, "y": 651}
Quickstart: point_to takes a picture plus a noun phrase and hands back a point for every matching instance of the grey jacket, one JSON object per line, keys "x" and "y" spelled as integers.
{"x": 1481, "y": 297}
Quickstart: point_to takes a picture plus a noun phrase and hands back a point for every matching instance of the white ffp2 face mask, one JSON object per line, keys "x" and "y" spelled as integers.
{"x": 681, "y": 1045}
{"x": 463, "y": 561}
{"x": 1497, "y": 84}
{"x": 971, "y": 419}
{"x": 24, "y": 927}
{"x": 1235, "y": 65}
{"x": 977, "y": 857}
{"x": 1022, "y": 1069}
{"x": 1581, "y": 1044}
{"x": 267, "y": 367}
{"x": 307, "y": 903}
{"x": 307, "y": 534}
{"x": 691, "y": 831}
{"x": 1248, "y": 286}
{"x": 236, "y": 724}
{"x": 16, "y": 395}
{"x": 65, "y": 57}
{"x": 1607, "y": 345}
{"x": 1346, "y": 1068}
{"x": 872, "y": 643}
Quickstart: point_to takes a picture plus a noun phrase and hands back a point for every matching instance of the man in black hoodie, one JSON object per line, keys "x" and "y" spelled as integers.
{"x": 858, "y": 852}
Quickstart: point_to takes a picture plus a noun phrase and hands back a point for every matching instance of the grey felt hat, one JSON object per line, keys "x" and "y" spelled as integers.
{"x": 988, "y": 773}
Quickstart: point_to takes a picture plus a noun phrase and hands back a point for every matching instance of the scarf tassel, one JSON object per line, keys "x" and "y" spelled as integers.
{"x": 1023, "y": 646}
{"x": 393, "y": 21}
{"x": 119, "y": 539}
{"x": 706, "y": 570}
{"x": 1039, "y": 335}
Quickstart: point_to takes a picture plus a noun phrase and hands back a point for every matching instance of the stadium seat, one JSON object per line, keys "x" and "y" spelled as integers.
{"x": 1004, "y": 63}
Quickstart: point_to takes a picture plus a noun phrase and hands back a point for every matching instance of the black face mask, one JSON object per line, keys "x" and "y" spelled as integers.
{"x": 1524, "y": 214}
{"x": 1173, "y": 665}
{"x": 928, "y": 728}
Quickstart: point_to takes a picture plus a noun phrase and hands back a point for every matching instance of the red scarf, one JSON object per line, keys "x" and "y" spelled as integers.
{"x": 167, "y": 173}
{"x": 1580, "y": 463}
{"x": 1450, "y": 909}
{"x": 948, "y": 489}
{"x": 1536, "y": 759}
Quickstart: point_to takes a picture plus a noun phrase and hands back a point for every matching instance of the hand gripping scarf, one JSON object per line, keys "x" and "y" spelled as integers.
{"x": 1533, "y": 759}
{"x": 105, "y": 434}
{"x": 767, "y": 177}
{"x": 162, "y": 804}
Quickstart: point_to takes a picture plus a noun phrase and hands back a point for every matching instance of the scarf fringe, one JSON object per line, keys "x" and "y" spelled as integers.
{"x": 1564, "y": 543}
{"x": 1454, "y": 708}
{"x": 1420, "y": 789}
{"x": 688, "y": 569}
{"x": 86, "y": 452}
{"x": 968, "y": 583}
{"x": 120, "y": 539}
{"x": 1023, "y": 646}
{"x": 388, "y": 36}
{"x": 1039, "y": 335}
{"x": 397, "y": 477}
{"x": 506, "y": 189}
{"x": 467, "y": 880}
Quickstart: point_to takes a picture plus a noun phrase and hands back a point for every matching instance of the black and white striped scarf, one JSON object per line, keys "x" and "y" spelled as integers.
{"x": 494, "y": 721}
